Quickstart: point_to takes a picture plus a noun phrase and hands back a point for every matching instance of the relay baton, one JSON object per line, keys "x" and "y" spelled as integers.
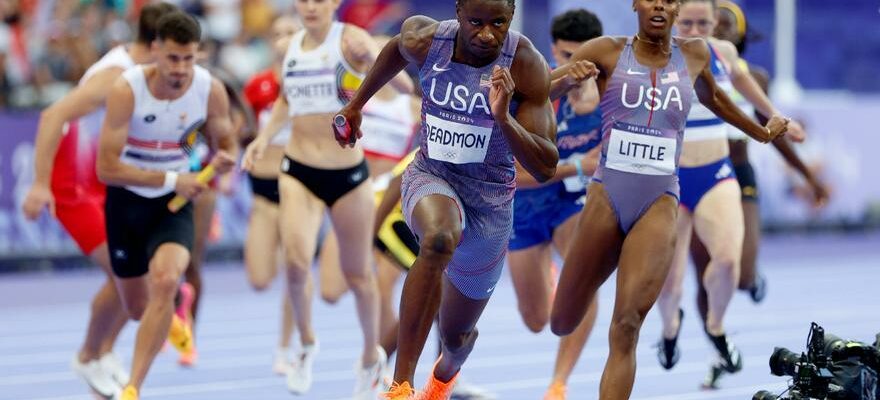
{"x": 342, "y": 129}
{"x": 204, "y": 176}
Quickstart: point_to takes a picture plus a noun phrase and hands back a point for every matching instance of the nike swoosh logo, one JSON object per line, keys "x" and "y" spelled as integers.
{"x": 437, "y": 68}
{"x": 630, "y": 71}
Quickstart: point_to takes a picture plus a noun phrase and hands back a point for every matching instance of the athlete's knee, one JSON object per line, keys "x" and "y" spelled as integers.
{"x": 259, "y": 277}
{"x": 562, "y": 323}
{"x": 135, "y": 313}
{"x": 295, "y": 259}
{"x": 439, "y": 243}
{"x": 534, "y": 316}
{"x": 297, "y": 275}
{"x": 258, "y": 283}
{"x": 726, "y": 260}
{"x": 456, "y": 342}
{"x": 330, "y": 297}
{"x": 163, "y": 283}
{"x": 135, "y": 308}
{"x": 725, "y": 265}
{"x": 360, "y": 280}
{"x": 625, "y": 328}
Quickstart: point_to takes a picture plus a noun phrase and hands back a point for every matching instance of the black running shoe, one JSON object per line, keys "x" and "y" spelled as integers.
{"x": 730, "y": 357}
{"x": 668, "y": 353}
{"x": 716, "y": 371}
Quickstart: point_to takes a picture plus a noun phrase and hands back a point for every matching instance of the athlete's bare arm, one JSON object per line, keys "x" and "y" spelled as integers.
{"x": 410, "y": 46}
{"x": 277, "y": 119}
{"x": 415, "y": 38}
{"x": 820, "y": 190}
{"x": 696, "y": 52}
{"x": 362, "y": 50}
{"x": 219, "y": 130}
{"x": 602, "y": 52}
{"x": 585, "y": 98}
{"x": 111, "y": 170}
{"x": 578, "y": 85}
{"x": 531, "y": 134}
{"x": 749, "y": 88}
{"x": 589, "y": 164}
{"x": 82, "y": 100}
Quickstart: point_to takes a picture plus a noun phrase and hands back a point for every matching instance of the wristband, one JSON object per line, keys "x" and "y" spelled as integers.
{"x": 170, "y": 180}
{"x": 580, "y": 171}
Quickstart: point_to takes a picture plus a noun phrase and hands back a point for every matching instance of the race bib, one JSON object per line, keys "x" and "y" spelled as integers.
{"x": 457, "y": 143}
{"x": 311, "y": 92}
{"x": 640, "y": 153}
{"x": 385, "y": 136}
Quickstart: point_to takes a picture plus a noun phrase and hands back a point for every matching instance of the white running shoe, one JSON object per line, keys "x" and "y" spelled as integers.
{"x": 464, "y": 391}
{"x": 370, "y": 380}
{"x": 387, "y": 375}
{"x": 95, "y": 376}
{"x": 299, "y": 375}
{"x": 112, "y": 365}
{"x": 281, "y": 363}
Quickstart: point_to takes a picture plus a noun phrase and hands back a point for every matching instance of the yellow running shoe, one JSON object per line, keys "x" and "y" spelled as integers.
{"x": 180, "y": 335}
{"x": 129, "y": 393}
{"x": 399, "y": 391}
{"x": 556, "y": 391}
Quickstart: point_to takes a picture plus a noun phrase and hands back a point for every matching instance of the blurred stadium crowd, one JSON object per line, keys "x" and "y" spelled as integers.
{"x": 46, "y": 45}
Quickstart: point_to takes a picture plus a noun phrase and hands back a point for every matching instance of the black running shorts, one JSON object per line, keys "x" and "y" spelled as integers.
{"x": 137, "y": 226}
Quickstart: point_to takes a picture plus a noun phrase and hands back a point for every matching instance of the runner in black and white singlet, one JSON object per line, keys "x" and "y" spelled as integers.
{"x": 647, "y": 83}
{"x": 65, "y": 183}
{"x": 391, "y": 118}
{"x": 457, "y": 194}
{"x": 153, "y": 116}
{"x": 324, "y": 65}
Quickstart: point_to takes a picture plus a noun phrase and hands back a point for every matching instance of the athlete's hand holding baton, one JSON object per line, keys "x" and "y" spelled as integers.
{"x": 190, "y": 185}
{"x": 346, "y": 127}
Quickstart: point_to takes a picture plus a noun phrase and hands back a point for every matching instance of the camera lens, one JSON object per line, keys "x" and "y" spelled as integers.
{"x": 783, "y": 362}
